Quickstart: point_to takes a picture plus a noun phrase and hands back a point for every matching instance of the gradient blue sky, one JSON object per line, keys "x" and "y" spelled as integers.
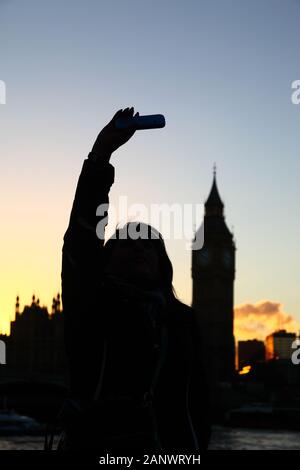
{"x": 220, "y": 72}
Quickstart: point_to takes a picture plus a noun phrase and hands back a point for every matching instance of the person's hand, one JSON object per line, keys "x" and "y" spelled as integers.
{"x": 110, "y": 138}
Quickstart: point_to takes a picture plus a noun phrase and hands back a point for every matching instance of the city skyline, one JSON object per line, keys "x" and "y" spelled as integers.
{"x": 56, "y": 307}
{"x": 251, "y": 321}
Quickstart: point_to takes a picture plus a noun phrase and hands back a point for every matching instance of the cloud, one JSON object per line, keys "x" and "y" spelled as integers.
{"x": 260, "y": 319}
{"x": 265, "y": 307}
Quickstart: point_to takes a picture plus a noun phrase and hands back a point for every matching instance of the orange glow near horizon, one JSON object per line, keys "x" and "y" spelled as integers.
{"x": 245, "y": 370}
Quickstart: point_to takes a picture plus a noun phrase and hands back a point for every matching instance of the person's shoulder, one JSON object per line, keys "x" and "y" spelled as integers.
{"x": 182, "y": 311}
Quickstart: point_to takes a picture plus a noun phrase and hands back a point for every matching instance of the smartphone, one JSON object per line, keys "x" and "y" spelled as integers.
{"x": 150, "y": 121}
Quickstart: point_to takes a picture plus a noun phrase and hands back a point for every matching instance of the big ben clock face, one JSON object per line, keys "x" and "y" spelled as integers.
{"x": 204, "y": 257}
{"x": 227, "y": 259}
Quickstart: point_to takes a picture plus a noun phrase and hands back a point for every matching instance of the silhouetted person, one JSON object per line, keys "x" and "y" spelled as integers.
{"x": 133, "y": 348}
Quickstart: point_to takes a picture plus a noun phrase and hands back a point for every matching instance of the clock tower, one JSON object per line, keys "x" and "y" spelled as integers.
{"x": 213, "y": 273}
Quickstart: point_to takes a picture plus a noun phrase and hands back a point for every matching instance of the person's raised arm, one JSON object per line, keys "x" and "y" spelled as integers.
{"x": 83, "y": 247}
{"x": 81, "y": 242}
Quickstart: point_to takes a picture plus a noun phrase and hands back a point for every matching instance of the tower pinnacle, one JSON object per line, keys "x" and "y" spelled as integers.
{"x": 214, "y": 204}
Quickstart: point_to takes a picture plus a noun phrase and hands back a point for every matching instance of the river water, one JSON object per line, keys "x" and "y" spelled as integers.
{"x": 222, "y": 439}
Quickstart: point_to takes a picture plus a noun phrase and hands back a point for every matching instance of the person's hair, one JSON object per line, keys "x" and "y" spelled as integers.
{"x": 134, "y": 230}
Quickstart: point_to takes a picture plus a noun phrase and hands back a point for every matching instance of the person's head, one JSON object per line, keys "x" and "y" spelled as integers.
{"x": 137, "y": 253}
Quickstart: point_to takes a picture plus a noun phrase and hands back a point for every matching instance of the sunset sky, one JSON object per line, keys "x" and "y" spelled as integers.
{"x": 220, "y": 72}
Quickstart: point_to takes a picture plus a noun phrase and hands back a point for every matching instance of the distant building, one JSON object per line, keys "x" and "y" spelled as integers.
{"x": 278, "y": 345}
{"x": 250, "y": 352}
{"x": 213, "y": 273}
{"x": 35, "y": 347}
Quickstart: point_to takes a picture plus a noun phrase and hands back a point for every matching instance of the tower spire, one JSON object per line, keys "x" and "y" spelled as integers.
{"x": 17, "y": 305}
{"x": 214, "y": 204}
